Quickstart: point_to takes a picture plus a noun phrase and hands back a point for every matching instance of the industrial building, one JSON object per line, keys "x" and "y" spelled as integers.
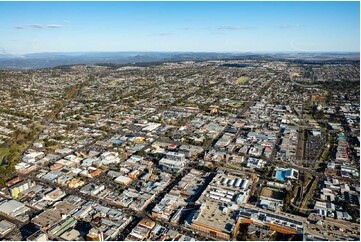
{"x": 14, "y": 209}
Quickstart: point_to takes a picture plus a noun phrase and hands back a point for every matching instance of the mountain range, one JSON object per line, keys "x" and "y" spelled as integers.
{"x": 53, "y": 59}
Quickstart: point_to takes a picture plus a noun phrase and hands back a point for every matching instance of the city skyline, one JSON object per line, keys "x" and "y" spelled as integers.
{"x": 31, "y": 27}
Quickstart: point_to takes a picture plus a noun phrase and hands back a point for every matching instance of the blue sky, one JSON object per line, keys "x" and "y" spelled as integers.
{"x": 28, "y": 27}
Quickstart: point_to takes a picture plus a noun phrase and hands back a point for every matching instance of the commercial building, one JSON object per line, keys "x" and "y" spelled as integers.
{"x": 6, "y": 227}
{"x": 47, "y": 219}
{"x": 71, "y": 235}
{"x": 95, "y": 235}
{"x": 173, "y": 162}
{"x": 123, "y": 180}
{"x": 168, "y": 207}
{"x": 14, "y": 209}
{"x": 216, "y": 220}
{"x": 278, "y": 222}
{"x": 218, "y": 214}
{"x": 19, "y": 188}
{"x": 61, "y": 227}
{"x": 141, "y": 231}
{"x": 38, "y": 236}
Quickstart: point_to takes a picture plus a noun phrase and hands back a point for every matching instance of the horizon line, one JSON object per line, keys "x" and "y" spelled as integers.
{"x": 185, "y": 51}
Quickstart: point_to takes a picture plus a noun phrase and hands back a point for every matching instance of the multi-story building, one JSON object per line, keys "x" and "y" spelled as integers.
{"x": 173, "y": 162}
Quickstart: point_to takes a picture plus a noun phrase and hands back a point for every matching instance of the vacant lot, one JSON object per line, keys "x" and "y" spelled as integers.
{"x": 272, "y": 193}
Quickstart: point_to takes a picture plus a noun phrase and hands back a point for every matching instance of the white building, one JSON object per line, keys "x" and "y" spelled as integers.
{"x": 173, "y": 162}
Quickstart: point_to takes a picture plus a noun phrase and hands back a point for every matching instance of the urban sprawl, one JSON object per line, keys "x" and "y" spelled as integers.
{"x": 206, "y": 150}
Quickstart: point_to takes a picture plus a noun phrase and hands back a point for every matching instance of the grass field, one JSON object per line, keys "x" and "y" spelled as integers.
{"x": 242, "y": 80}
{"x": 231, "y": 166}
{"x": 113, "y": 82}
{"x": 3, "y": 152}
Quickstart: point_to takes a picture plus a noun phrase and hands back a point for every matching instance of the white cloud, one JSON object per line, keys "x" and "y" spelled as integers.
{"x": 217, "y": 33}
{"x": 38, "y": 26}
{"x": 290, "y": 26}
{"x": 234, "y": 27}
{"x": 54, "y": 26}
{"x": 162, "y": 34}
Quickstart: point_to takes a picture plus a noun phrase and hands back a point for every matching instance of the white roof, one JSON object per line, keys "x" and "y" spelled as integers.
{"x": 77, "y": 171}
{"x": 10, "y": 206}
{"x": 122, "y": 179}
{"x": 6, "y": 226}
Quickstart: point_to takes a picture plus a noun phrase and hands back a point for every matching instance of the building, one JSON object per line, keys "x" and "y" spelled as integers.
{"x": 281, "y": 223}
{"x": 14, "y": 209}
{"x": 190, "y": 150}
{"x": 55, "y": 195}
{"x": 124, "y": 180}
{"x": 168, "y": 207}
{"x": 75, "y": 183}
{"x": 46, "y": 219}
{"x": 38, "y": 236}
{"x": 255, "y": 163}
{"x": 282, "y": 174}
{"x": 58, "y": 229}
{"x": 19, "y": 188}
{"x": 92, "y": 189}
{"x": 6, "y": 227}
{"x": 325, "y": 208}
{"x": 141, "y": 231}
{"x": 215, "y": 220}
{"x": 13, "y": 181}
{"x": 271, "y": 199}
{"x": 173, "y": 162}
{"x": 95, "y": 235}
{"x": 134, "y": 174}
{"x": 117, "y": 143}
{"x": 71, "y": 235}
{"x": 217, "y": 216}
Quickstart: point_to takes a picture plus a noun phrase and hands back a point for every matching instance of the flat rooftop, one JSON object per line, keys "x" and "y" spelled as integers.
{"x": 47, "y": 218}
{"x": 65, "y": 207}
{"x": 6, "y": 227}
{"x": 215, "y": 215}
{"x": 10, "y": 206}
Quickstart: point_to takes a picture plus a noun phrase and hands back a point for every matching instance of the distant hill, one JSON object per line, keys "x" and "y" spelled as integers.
{"x": 4, "y": 56}
{"x": 52, "y": 59}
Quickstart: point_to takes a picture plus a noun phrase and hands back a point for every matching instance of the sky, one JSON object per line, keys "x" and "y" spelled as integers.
{"x": 31, "y": 27}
